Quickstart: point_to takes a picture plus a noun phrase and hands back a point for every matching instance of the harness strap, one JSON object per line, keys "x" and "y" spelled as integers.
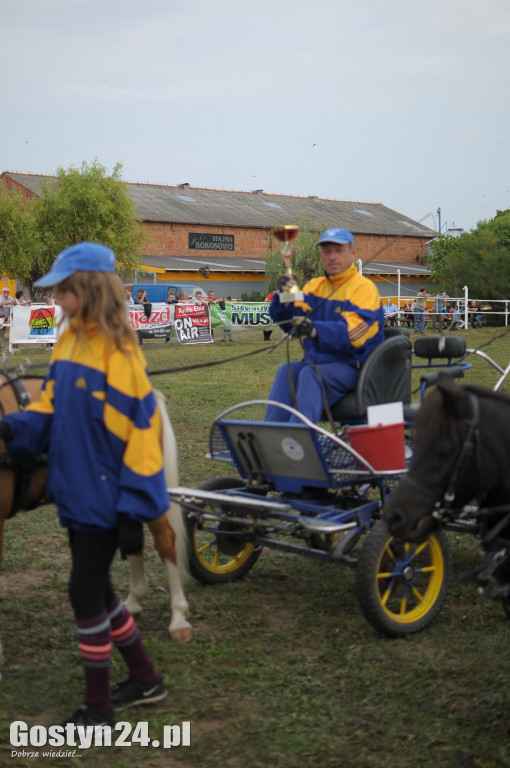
{"x": 471, "y": 441}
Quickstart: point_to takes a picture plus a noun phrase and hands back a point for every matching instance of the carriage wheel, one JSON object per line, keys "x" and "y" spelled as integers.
{"x": 401, "y": 586}
{"x": 216, "y": 556}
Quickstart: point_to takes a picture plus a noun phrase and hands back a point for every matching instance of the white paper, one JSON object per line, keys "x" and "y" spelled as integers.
{"x": 387, "y": 413}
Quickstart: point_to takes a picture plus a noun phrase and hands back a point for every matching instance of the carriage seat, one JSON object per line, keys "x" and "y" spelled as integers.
{"x": 385, "y": 378}
{"x": 440, "y": 353}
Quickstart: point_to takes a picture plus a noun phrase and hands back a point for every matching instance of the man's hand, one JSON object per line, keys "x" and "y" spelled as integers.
{"x": 286, "y": 283}
{"x": 302, "y": 326}
{"x": 130, "y": 536}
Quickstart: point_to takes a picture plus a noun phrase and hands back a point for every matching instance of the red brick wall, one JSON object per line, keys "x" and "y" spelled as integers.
{"x": 172, "y": 240}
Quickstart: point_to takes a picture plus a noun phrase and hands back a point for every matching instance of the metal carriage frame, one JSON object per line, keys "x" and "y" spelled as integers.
{"x": 303, "y": 489}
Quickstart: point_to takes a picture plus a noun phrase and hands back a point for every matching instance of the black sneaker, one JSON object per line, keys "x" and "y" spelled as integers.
{"x": 129, "y": 693}
{"x": 85, "y": 716}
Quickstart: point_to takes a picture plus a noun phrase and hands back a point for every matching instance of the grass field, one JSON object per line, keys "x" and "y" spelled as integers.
{"x": 283, "y": 670}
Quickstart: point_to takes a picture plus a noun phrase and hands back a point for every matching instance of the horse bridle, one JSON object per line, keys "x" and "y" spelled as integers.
{"x": 470, "y": 445}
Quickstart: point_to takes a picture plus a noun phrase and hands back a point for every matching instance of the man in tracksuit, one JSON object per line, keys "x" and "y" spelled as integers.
{"x": 340, "y": 322}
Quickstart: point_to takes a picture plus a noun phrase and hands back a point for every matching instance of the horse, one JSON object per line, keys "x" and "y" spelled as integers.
{"x": 461, "y": 449}
{"x": 23, "y": 486}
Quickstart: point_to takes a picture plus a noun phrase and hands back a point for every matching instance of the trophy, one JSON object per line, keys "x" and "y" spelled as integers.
{"x": 285, "y": 235}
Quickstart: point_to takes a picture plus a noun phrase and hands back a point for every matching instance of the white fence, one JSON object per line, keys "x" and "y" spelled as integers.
{"x": 486, "y": 307}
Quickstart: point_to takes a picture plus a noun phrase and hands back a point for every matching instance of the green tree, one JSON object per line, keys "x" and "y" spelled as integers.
{"x": 81, "y": 204}
{"x": 306, "y": 262}
{"x": 21, "y": 251}
{"x": 438, "y": 260}
{"x": 479, "y": 259}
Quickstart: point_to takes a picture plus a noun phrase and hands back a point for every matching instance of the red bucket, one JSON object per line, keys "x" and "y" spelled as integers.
{"x": 382, "y": 446}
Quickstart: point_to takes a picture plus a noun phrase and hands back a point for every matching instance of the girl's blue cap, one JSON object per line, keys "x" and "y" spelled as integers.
{"x": 82, "y": 257}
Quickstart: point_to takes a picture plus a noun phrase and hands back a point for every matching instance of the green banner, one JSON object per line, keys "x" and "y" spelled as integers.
{"x": 237, "y": 314}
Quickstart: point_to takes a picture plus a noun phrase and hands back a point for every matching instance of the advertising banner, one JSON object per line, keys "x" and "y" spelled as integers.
{"x": 157, "y": 326}
{"x": 34, "y": 324}
{"x": 237, "y": 314}
{"x": 192, "y": 323}
{"x": 38, "y": 323}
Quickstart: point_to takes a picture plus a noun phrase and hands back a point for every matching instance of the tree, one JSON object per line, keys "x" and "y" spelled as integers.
{"x": 306, "y": 262}
{"x": 21, "y": 251}
{"x": 81, "y": 204}
{"x": 479, "y": 259}
{"x": 442, "y": 249}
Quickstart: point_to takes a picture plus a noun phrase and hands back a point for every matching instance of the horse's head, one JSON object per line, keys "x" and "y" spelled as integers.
{"x": 441, "y": 430}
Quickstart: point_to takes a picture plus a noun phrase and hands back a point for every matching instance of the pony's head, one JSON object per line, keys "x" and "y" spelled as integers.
{"x": 441, "y": 429}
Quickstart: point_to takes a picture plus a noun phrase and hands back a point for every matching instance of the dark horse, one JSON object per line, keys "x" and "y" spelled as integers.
{"x": 461, "y": 450}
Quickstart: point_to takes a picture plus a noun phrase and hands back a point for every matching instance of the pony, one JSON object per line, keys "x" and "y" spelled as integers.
{"x": 461, "y": 449}
{"x": 23, "y": 486}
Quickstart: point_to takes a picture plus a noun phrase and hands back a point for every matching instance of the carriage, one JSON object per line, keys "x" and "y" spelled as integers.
{"x": 306, "y": 489}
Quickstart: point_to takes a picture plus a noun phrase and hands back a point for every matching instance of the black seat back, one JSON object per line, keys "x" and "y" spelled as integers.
{"x": 385, "y": 378}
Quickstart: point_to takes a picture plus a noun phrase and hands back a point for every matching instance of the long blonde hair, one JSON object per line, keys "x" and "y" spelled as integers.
{"x": 103, "y": 302}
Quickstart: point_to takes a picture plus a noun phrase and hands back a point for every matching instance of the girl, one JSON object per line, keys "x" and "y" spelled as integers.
{"x": 97, "y": 420}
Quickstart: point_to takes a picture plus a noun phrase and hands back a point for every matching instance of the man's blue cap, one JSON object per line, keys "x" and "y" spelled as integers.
{"x": 336, "y": 235}
{"x": 82, "y": 257}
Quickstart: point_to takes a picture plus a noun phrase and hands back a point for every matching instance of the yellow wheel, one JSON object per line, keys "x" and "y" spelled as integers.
{"x": 401, "y": 586}
{"x": 219, "y": 551}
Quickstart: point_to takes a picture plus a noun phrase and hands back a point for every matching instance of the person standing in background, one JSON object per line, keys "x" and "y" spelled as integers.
{"x": 420, "y": 305}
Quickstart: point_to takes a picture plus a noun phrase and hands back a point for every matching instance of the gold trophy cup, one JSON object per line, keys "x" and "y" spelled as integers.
{"x": 285, "y": 235}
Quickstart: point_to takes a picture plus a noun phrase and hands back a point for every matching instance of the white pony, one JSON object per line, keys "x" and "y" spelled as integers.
{"x": 169, "y": 542}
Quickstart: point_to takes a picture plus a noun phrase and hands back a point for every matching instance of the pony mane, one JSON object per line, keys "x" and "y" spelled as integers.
{"x": 486, "y": 393}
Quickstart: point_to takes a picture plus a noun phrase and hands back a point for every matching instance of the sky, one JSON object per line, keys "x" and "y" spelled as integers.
{"x": 397, "y": 102}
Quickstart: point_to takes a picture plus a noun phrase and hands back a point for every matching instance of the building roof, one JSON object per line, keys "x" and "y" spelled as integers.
{"x": 184, "y": 204}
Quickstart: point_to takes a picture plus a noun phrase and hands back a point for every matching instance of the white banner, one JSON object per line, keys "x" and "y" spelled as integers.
{"x": 34, "y": 324}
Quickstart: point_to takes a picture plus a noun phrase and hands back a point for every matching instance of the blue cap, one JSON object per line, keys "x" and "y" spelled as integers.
{"x": 82, "y": 257}
{"x": 336, "y": 235}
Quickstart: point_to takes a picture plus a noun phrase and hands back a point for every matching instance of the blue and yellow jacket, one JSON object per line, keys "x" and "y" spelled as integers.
{"x": 346, "y": 309}
{"x": 98, "y": 421}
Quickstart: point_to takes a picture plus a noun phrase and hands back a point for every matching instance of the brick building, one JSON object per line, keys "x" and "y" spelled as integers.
{"x": 220, "y": 238}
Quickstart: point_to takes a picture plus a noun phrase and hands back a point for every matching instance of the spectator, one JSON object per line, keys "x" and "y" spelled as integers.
{"x": 129, "y": 298}
{"x": 475, "y": 315}
{"x": 20, "y": 299}
{"x": 437, "y": 311}
{"x": 390, "y": 312}
{"x": 199, "y": 299}
{"x": 420, "y": 305}
{"x": 407, "y": 317}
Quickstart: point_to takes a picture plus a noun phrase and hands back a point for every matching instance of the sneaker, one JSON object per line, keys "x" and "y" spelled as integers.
{"x": 129, "y": 693}
{"x": 85, "y": 716}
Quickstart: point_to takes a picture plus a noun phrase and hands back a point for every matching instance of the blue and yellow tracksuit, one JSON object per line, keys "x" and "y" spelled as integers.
{"x": 98, "y": 421}
{"x": 347, "y": 313}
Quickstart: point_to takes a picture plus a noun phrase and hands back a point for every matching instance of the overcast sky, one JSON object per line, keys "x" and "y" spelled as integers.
{"x": 399, "y": 102}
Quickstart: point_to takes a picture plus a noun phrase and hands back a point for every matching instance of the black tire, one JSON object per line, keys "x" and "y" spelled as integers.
{"x": 401, "y": 586}
{"x": 213, "y": 558}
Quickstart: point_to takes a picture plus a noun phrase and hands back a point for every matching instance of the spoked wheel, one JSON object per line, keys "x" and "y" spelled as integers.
{"x": 218, "y": 551}
{"x": 401, "y": 586}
